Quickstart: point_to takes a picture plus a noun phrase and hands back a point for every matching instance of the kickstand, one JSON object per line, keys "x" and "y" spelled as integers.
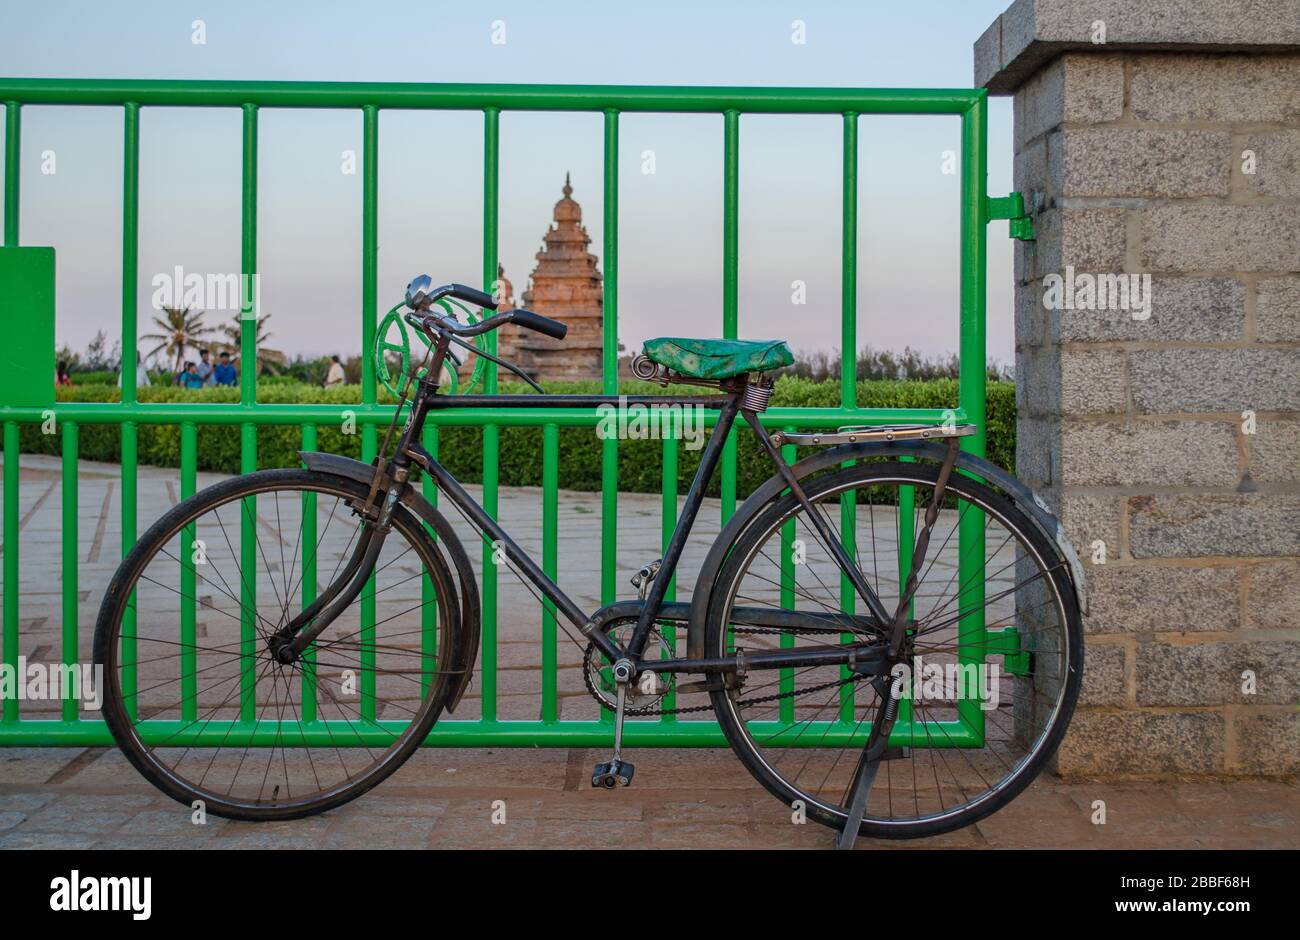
{"x": 862, "y": 782}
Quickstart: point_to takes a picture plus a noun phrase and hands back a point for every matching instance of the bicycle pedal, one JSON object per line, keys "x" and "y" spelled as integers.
{"x": 609, "y": 775}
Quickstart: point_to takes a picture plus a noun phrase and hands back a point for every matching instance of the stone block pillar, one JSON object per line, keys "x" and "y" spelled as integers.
{"x": 1158, "y": 362}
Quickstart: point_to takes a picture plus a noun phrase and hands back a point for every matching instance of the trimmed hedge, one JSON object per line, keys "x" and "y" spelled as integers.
{"x": 640, "y": 462}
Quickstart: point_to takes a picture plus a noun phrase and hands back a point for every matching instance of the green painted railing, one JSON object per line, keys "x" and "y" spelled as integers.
{"x": 977, "y": 209}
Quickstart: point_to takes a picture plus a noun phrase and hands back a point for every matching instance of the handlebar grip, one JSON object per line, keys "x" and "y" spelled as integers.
{"x": 538, "y": 323}
{"x": 476, "y": 297}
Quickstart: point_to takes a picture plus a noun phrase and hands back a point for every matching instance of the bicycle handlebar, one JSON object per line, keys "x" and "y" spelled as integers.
{"x": 422, "y": 317}
{"x": 525, "y": 318}
{"x": 469, "y": 295}
{"x": 538, "y": 323}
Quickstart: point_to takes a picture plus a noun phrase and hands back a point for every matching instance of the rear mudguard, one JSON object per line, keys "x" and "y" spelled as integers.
{"x": 470, "y": 610}
{"x": 1019, "y": 494}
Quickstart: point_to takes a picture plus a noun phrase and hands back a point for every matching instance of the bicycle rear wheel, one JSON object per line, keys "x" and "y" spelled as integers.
{"x": 193, "y": 695}
{"x": 994, "y": 650}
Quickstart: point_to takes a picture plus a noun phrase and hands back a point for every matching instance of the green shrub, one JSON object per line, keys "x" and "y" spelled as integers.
{"x": 460, "y": 449}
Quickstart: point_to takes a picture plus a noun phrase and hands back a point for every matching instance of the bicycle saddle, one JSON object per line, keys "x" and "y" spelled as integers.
{"x": 718, "y": 358}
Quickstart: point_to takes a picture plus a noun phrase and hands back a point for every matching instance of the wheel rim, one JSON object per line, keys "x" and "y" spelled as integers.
{"x": 787, "y": 741}
{"x": 210, "y": 712}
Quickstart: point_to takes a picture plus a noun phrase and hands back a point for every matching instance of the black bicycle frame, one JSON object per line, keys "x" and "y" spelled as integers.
{"x": 390, "y": 479}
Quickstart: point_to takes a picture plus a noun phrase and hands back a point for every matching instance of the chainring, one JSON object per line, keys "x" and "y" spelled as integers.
{"x": 601, "y": 686}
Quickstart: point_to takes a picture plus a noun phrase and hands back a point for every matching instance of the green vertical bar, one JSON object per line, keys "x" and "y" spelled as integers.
{"x": 491, "y": 450}
{"x": 11, "y": 561}
{"x": 906, "y": 546}
{"x": 429, "y": 609}
{"x": 367, "y": 656}
{"x": 609, "y": 360}
{"x": 848, "y": 595}
{"x": 130, "y": 285}
{"x": 129, "y": 517}
{"x": 369, "y": 391}
{"x": 491, "y": 213}
{"x": 730, "y": 281}
{"x": 248, "y": 263}
{"x": 130, "y": 246}
{"x": 369, "y": 249}
{"x": 13, "y": 157}
{"x": 971, "y": 390}
{"x": 789, "y": 582}
{"x": 849, "y": 269}
{"x": 668, "y": 522}
{"x": 550, "y": 564}
{"x": 609, "y": 373}
{"x": 71, "y": 653}
{"x": 308, "y": 543}
{"x": 730, "y": 223}
{"x": 849, "y": 373}
{"x": 248, "y": 578}
{"x": 248, "y": 431}
{"x": 189, "y": 620}
{"x": 491, "y": 433}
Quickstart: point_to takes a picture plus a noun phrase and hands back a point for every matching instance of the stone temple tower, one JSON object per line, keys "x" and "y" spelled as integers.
{"x": 565, "y": 286}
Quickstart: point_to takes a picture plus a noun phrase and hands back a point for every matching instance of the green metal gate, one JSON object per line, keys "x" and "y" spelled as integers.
{"x": 977, "y": 209}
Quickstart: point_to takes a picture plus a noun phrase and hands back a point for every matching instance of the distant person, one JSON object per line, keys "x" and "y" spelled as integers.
{"x": 224, "y": 373}
{"x": 190, "y": 377}
{"x": 62, "y": 378}
{"x": 141, "y": 373}
{"x": 205, "y": 367}
{"x": 335, "y": 375}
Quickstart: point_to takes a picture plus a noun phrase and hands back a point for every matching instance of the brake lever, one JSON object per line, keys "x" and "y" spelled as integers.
{"x": 501, "y": 362}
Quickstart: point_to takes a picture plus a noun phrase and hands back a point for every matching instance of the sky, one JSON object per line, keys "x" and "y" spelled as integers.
{"x": 430, "y": 172}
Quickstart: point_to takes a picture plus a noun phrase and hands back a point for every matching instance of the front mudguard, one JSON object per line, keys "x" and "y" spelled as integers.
{"x": 1021, "y": 495}
{"x": 470, "y": 608}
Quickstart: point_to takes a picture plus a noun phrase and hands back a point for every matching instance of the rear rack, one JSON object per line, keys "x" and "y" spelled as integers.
{"x": 870, "y": 434}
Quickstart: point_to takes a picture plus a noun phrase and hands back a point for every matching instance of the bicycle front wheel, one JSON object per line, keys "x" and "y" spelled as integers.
{"x": 990, "y": 667}
{"x": 195, "y": 698}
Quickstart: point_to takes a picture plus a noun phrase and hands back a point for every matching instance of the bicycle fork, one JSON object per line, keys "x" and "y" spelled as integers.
{"x": 290, "y": 641}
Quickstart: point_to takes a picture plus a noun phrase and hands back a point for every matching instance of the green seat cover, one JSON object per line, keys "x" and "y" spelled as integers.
{"x": 718, "y": 358}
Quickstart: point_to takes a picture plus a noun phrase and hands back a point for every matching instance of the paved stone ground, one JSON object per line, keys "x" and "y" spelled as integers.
{"x": 81, "y": 798}
{"x": 91, "y": 798}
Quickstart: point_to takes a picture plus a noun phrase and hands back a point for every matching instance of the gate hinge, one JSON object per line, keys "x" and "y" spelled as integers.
{"x": 1012, "y": 208}
{"x": 1006, "y": 643}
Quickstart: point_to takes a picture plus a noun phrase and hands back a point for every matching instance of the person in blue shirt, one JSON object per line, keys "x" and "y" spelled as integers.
{"x": 224, "y": 373}
{"x": 205, "y": 367}
{"x": 190, "y": 378}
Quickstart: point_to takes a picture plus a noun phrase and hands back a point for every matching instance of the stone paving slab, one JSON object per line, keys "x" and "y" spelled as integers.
{"x": 444, "y": 798}
{"x": 682, "y": 799}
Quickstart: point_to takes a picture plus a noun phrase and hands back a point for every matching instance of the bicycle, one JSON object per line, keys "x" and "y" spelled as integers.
{"x": 296, "y": 704}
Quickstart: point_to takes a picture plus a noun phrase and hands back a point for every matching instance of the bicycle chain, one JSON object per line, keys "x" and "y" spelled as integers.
{"x": 744, "y": 702}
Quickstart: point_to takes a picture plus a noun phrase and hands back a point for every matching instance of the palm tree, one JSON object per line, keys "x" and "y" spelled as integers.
{"x": 178, "y": 328}
{"x": 270, "y": 360}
